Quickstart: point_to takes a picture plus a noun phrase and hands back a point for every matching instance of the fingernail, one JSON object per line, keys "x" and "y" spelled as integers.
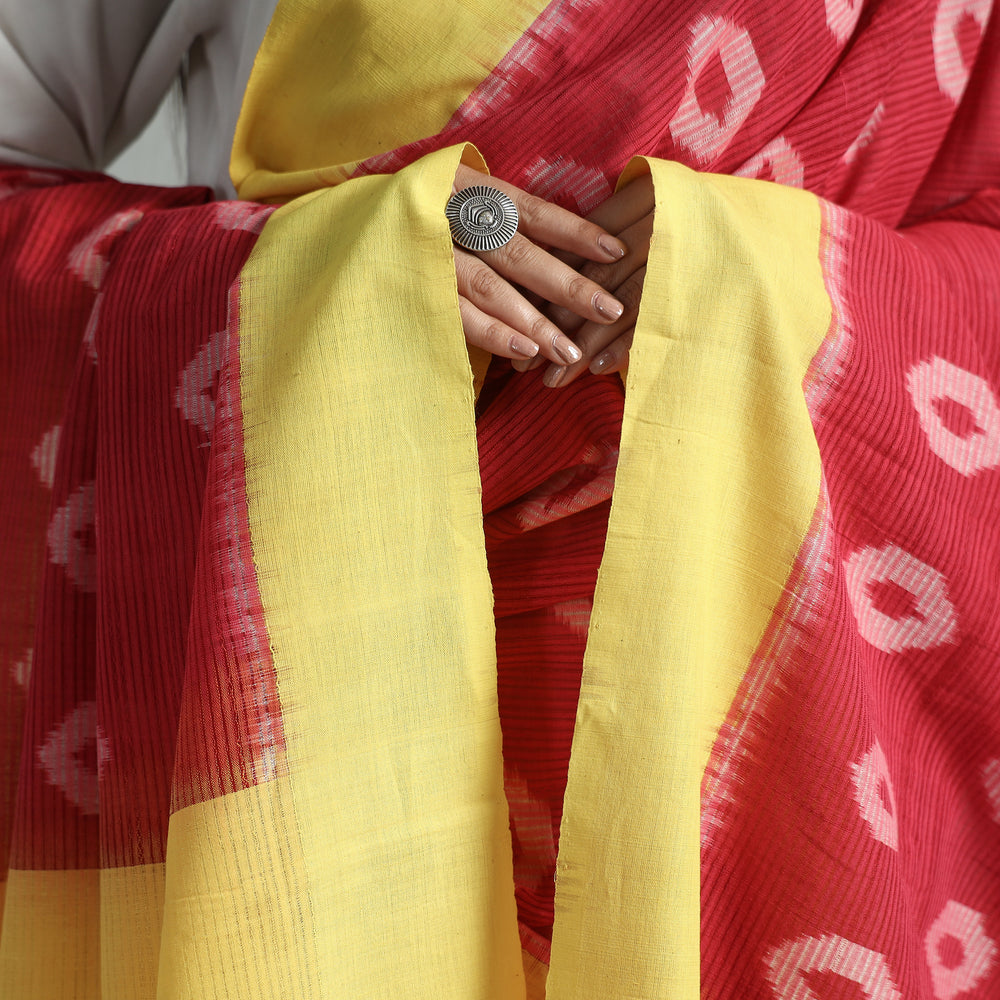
{"x": 569, "y": 352}
{"x": 600, "y": 363}
{"x": 614, "y": 249}
{"x": 518, "y": 348}
{"x": 608, "y": 306}
{"x": 553, "y": 376}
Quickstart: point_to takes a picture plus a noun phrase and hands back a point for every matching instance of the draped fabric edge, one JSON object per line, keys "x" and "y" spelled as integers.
{"x": 716, "y": 489}
{"x": 377, "y": 599}
{"x": 377, "y": 605}
{"x": 718, "y": 458}
{"x": 279, "y": 153}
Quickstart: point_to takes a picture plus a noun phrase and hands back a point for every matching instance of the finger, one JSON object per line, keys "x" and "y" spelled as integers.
{"x": 527, "y": 365}
{"x": 593, "y": 339}
{"x": 610, "y": 360}
{"x": 487, "y": 291}
{"x": 614, "y": 355}
{"x": 619, "y": 212}
{"x": 543, "y": 222}
{"x": 638, "y": 237}
{"x": 625, "y": 207}
{"x": 524, "y": 263}
{"x": 491, "y": 334}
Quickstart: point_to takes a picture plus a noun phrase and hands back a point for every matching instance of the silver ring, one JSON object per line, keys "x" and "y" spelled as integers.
{"x": 481, "y": 218}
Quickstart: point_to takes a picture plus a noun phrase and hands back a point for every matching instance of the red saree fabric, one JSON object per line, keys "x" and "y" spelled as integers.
{"x": 105, "y": 474}
{"x": 893, "y": 144}
{"x": 545, "y": 518}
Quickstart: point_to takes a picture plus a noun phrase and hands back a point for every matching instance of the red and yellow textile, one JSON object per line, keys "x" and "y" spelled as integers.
{"x": 293, "y": 628}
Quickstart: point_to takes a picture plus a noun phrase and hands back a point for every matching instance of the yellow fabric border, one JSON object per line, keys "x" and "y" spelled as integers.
{"x": 132, "y": 902}
{"x": 88, "y": 934}
{"x": 366, "y": 521}
{"x": 717, "y": 482}
{"x": 379, "y": 865}
{"x": 362, "y": 81}
{"x": 51, "y": 943}
{"x": 237, "y": 918}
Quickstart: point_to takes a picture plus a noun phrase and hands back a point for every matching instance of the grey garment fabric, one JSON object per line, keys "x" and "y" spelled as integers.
{"x": 80, "y": 78}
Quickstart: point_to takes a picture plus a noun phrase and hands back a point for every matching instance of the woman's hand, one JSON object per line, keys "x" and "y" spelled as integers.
{"x": 496, "y": 316}
{"x": 629, "y": 215}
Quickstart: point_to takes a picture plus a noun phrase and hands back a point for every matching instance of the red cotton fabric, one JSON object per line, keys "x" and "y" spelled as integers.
{"x": 105, "y": 468}
{"x": 821, "y": 876}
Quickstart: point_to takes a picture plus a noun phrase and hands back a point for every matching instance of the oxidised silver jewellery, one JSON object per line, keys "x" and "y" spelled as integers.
{"x": 481, "y": 218}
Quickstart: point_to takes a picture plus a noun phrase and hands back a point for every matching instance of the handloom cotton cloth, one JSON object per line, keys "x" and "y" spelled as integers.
{"x": 294, "y": 704}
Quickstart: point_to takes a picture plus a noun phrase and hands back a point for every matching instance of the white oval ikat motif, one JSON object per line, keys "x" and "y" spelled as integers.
{"x": 990, "y": 774}
{"x": 931, "y": 383}
{"x": 587, "y": 186}
{"x": 43, "y": 457}
{"x": 70, "y": 538}
{"x": 876, "y": 797}
{"x": 933, "y": 621}
{"x": 575, "y": 614}
{"x": 791, "y": 962}
{"x": 780, "y": 160}
{"x": 194, "y": 396}
{"x": 863, "y": 139}
{"x": 960, "y": 954}
{"x": 66, "y": 762}
{"x": 243, "y": 215}
{"x": 841, "y": 17}
{"x": 90, "y": 333}
{"x": 29, "y": 179}
{"x": 949, "y": 60}
{"x": 702, "y": 132}
{"x": 21, "y": 670}
{"x": 87, "y": 259}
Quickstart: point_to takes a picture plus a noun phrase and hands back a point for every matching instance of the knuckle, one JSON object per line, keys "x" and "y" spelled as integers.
{"x": 564, "y": 318}
{"x": 600, "y": 274}
{"x": 629, "y": 295}
{"x": 484, "y": 283}
{"x": 494, "y": 334}
{"x": 614, "y": 350}
{"x": 586, "y": 232}
{"x": 540, "y": 328}
{"x": 531, "y": 209}
{"x": 518, "y": 252}
{"x": 580, "y": 289}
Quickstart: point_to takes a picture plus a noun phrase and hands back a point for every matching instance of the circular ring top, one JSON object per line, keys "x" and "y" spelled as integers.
{"x": 481, "y": 218}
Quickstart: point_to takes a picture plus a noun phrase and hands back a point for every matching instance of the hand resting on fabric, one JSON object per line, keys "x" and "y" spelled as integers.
{"x": 629, "y": 215}
{"x": 497, "y": 317}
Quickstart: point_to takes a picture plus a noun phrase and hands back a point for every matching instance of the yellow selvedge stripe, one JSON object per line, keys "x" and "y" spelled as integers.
{"x": 338, "y": 81}
{"x": 90, "y": 934}
{"x": 390, "y": 830}
{"x": 50, "y": 948}
{"x": 717, "y": 482}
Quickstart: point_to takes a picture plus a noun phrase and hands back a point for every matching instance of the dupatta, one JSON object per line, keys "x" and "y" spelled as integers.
{"x": 261, "y": 746}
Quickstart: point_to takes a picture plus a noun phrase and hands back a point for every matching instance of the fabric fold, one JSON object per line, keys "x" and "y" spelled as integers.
{"x": 717, "y": 482}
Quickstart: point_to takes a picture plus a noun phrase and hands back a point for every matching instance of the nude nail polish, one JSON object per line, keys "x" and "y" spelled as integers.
{"x": 609, "y": 307}
{"x": 569, "y": 352}
{"x": 613, "y": 250}
{"x": 553, "y": 376}
{"x": 517, "y": 348}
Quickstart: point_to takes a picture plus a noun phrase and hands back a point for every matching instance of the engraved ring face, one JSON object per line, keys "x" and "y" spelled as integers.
{"x": 481, "y": 218}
